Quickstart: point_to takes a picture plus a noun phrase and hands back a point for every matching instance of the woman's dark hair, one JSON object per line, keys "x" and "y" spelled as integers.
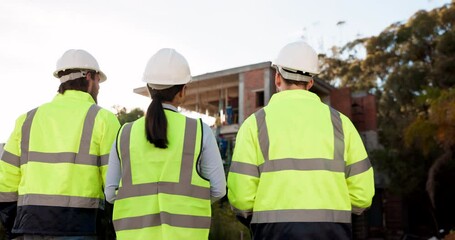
{"x": 80, "y": 84}
{"x": 155, "y": 119}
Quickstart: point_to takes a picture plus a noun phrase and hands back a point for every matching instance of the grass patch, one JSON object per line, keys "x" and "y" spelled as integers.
{"x": 224, "y": 224}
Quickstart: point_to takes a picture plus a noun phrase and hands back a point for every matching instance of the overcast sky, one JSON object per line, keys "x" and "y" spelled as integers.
{"x": 122, "y": 35}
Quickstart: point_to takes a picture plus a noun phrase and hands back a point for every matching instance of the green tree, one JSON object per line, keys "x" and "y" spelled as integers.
{"x": 410, "y": 67}
{"x": 2, "y": 233}
{"x": 124, "y": 116}
{"x": 436, "y": 130}
{"x": 224, "y": 223}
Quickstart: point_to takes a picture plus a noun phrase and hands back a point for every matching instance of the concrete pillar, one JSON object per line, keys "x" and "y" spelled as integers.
{"x": 241, "y": 98}
{"x": 267, "y": 88}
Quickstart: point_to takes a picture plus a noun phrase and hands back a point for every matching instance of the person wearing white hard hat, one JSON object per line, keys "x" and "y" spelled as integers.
{"x": 53, "y": 166}
{"x": 299, "y": 168}
{"x": 165, "y": 168}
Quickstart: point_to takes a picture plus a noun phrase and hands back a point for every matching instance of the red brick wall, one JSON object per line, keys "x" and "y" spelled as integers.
{"x": 369, "y": 102}
{"x": 361, "y": 110}
{"x": 364, "y": 113}
{"x": 253, "y": 80}
{"x": 340, "y": 99}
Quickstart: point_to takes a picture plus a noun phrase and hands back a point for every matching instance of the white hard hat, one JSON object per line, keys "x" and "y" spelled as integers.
{"x": 166, "y": 68}
{"x": 297, "y": 61}
{"x": 77, "y": 59}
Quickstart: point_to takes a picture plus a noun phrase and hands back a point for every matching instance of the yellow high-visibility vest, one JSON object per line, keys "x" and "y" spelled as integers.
{"x": 161, "y": 194}
{"x": 54, "y": 165}
{"x": 299, "y": 160}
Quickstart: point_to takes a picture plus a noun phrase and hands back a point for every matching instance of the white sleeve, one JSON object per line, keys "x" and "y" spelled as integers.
{"x": 211, "y": 165}
{"x": 113, "y": 175}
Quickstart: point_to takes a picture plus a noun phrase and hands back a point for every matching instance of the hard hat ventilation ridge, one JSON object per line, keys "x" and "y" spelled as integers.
{"x": 297, "y": 72}
{"x": 73, "y": 76}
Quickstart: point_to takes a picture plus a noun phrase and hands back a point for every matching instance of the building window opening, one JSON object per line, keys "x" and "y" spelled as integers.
{"x": 259, "y": 98}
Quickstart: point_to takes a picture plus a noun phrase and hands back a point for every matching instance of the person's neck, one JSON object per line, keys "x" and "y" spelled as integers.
{"x": 292, "y": 87}
{"x": 173, "y": 103}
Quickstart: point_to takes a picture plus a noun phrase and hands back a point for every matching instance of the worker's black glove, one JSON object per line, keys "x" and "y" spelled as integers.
{"x": 245, "y": 221}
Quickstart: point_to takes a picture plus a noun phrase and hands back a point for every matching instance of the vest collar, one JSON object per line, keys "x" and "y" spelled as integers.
{"x": 75, "y": 95}
{"x": 294, "y": 94}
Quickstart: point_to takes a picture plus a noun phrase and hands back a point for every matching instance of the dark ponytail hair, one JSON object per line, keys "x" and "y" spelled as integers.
{"x": 155, "y": 119}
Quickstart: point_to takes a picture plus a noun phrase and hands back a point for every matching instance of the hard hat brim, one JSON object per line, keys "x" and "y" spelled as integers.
{"x": 103, "y": 76}
{"x": 159, "y": 86}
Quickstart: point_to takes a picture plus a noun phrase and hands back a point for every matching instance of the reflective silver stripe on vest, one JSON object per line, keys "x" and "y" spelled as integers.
{"x": 338, "y": 135}
{"x": 125, "y": 137}
{"x": 262, "y": 133}
{"x": 358, "y": 168}
{"x": 336, "y": 165}
{"x": 25, "y": 140}
{"x": 183, "y": 187}
{"x": 245, "y": 168}
{"x": 303, "y": 164}
{"x": 104, "y": 160}
{"x": 152, "y": 220}
{"x": 308, "y": 215}
{"x": 288, "y": 164}
{"x": 86, "y": 139}
{"x": 64, "y": 157}
{"x": 57, "y": 201}
{"x": 82, "y": 157}
{"x": 145, "y": 189}
{"x": 11, "y": 159}
{"x": 8, "y": 196}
